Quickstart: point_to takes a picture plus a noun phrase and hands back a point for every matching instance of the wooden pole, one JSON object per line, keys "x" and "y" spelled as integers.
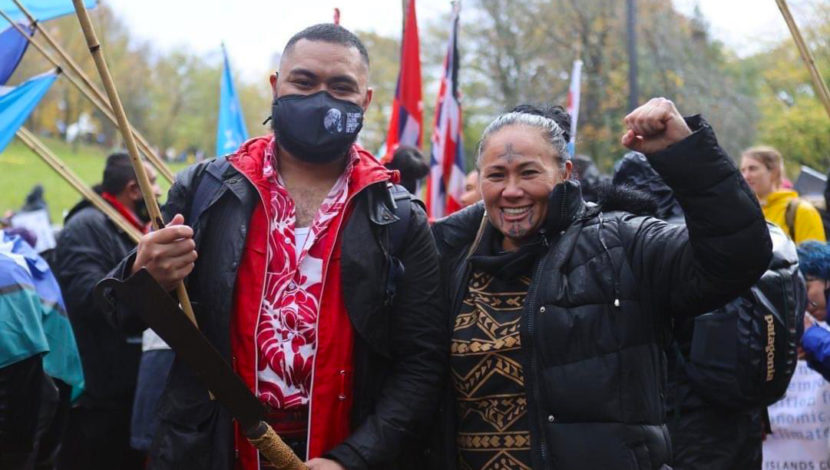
{"x": 36, "y": 146}
{"x": 819, "y": 84}
{"x": 124, "y": 125}
{"x": 631, "y": 45}
{"x": 92, "y": 93}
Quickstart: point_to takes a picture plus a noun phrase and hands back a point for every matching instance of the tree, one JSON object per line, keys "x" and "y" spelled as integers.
{"x": 792, "y": 118}
{"x": 522, "y": 52}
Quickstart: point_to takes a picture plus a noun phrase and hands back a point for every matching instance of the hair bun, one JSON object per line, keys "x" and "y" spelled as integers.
{"x": 556, "y": 113}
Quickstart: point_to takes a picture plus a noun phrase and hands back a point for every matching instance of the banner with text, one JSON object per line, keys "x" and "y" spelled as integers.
{"x": 800, "y": 424}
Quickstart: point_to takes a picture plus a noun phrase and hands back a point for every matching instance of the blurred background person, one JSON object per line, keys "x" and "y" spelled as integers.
{"x": 411, "y": 164}
{"x": 39, "y": 362}
{"x": 814, "y": 261}
{"x": 89, "y": 246}
{"x": 589, "y": 177}
{"x": 471, "y": 193}
{"x": 762, "y": 168}
{"x": 634, "y": 172}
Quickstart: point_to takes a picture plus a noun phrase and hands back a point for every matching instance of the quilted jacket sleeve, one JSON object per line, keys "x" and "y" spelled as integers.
{"x": 725, "y": 246}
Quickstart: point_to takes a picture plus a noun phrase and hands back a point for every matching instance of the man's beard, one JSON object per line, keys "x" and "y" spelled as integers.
{"x": 140, "y": 210}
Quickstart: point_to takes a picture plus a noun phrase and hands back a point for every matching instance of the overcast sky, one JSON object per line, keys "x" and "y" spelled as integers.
{"x": 253, "y": 30}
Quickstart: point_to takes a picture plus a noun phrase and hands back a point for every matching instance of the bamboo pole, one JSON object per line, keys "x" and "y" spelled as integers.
{"x": 36, "y": 146}
{"x": 124, "y": 125}
{"x": 85, "y": 86}
{"x": 819, "y": 84}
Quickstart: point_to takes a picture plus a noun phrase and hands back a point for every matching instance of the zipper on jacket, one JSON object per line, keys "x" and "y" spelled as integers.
{"x": 527, "y": 345}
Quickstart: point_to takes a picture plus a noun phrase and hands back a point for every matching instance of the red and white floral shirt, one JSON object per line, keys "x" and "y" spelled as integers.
{"x": 286, "y": 332}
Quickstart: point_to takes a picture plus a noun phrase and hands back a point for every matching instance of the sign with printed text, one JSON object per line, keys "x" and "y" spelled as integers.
{"x": 800, "y": 424}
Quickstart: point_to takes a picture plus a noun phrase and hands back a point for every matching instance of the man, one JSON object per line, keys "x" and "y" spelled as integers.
{"x": 291, "y": 282}
{"x": 89, "y": 246}
{"x": 471, "y": 193}
{"x": 410, "y": 163}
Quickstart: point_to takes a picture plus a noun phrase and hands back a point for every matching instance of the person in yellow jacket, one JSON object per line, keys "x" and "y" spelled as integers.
{"x": 762, "y": 168}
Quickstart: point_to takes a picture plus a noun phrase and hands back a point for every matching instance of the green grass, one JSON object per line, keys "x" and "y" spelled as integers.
{"x": 21, "y": 169}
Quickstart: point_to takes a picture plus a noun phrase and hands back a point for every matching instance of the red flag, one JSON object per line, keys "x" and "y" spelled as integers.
{"x": 446, "y": 176}
{"x": 406, "y": 124}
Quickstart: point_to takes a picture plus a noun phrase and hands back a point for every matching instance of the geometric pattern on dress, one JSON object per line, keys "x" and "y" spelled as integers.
{"x": 500, "y": 412}
{"x": 488, "y": 367}
{"x": 504, "y": 461}
{"x": 488, "y": 377}
{"x": 502, "y": 440}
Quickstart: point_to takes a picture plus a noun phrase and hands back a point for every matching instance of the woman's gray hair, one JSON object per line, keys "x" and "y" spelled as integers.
{"x": 551, "y": 131}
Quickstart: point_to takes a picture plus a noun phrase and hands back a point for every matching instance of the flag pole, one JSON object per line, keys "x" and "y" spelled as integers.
{"x": 94, "y": 95}
{"x": 124, "y": 125}
{"x": 36, "y": 146}
{"x": 818, "y": 82}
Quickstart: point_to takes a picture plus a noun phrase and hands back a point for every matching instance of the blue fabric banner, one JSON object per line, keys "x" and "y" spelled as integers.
{"x": 231, "y": 131}
{"x": 12, "y": 47}
{"x": 42, "y": 10}
{"x": 17, "y": 103}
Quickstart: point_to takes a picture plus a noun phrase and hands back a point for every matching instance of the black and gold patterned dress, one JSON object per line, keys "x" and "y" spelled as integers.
{"x": 493, "y": 429}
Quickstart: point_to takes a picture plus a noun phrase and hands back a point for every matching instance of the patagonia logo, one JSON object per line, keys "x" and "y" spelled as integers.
{"x": 770, "y": 348}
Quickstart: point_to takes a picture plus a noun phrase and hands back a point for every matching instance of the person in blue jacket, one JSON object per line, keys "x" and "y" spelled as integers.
{"x": 814, "y": 262}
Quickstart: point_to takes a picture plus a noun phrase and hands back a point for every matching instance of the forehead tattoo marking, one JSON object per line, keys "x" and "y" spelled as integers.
{"x": 509, "y": 154}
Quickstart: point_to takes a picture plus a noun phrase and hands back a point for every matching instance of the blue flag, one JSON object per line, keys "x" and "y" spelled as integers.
{"x": 12, "y": 47}
{"x": 17, "y": 103}
{"x": 231, "y": 131}
{"x": 42, "y": 10}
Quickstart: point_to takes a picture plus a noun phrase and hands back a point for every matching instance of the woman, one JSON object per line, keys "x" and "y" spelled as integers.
{"x": 762, "y": 168}
{"x": 559, "y": 309}
{"x": 814, "y": 262}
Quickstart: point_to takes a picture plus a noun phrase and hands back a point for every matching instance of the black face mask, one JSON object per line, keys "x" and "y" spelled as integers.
{"x": 316, "y": 128}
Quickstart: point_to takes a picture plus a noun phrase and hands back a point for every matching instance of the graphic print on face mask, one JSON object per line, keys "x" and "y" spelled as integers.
{"x": 332, "y": 121}
{"x": 316, "y": 128}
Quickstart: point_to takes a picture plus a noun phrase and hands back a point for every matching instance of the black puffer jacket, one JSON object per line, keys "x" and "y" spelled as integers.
{"x": 597, "y": 312}
{"x": 400, "y": 352}
{"x": 88, "y": 247}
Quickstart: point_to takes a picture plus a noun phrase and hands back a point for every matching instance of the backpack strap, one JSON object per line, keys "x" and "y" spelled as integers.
{"x": 789, "y": 216}
{"x": 402, "y": 205}
{"x": 209, "y": 182}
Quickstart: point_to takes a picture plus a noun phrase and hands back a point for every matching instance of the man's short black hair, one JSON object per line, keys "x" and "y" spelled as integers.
{"x": 329, "y": 32}
{"x": 412, "y": 165}
{"x": 117, "y": 173}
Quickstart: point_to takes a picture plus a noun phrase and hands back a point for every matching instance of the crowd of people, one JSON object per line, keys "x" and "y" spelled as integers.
{"x": 560, "y": 320}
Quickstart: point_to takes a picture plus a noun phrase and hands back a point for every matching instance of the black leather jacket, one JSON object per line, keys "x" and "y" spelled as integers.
{"x": 89, "y": 246}
{"x": 597, "y": 311}
{"x": 400, "y": 351}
